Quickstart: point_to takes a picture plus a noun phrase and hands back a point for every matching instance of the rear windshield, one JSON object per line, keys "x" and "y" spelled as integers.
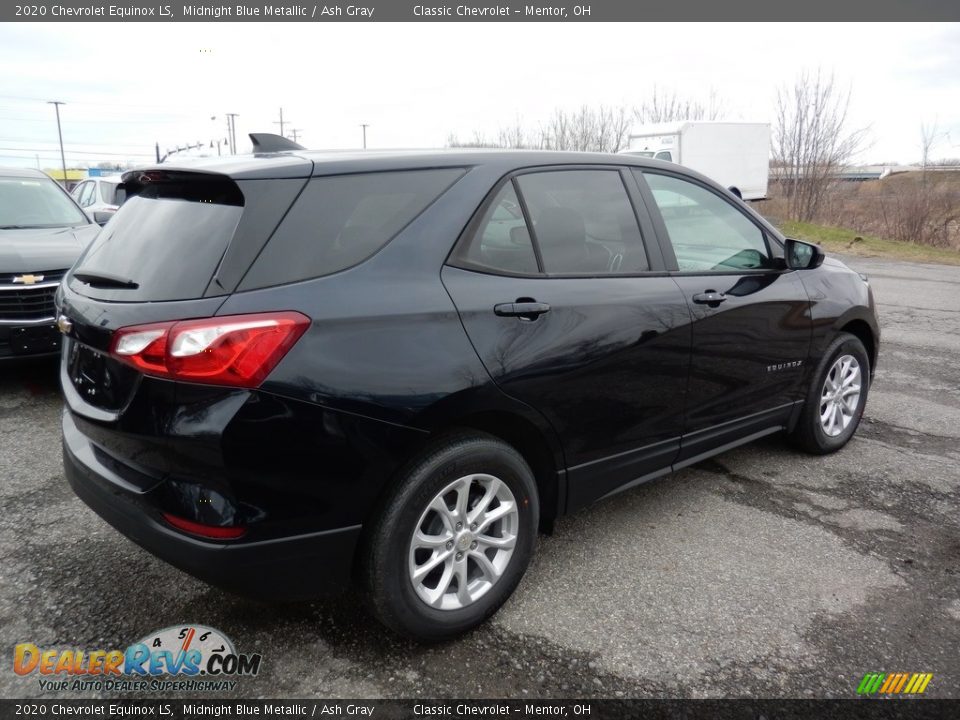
{"x": 36, "y": 203}
{"x": 337, "y": 222}
{"x": 164, "y": 243}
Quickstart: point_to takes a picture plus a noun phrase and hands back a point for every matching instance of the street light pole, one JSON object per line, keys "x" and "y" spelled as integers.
{"x": 233, "y": 132}
{"x": 63, "y": 160}
{"x": 364, "y": 126}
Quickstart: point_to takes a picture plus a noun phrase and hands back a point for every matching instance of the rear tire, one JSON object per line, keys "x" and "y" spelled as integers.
{"x": 836, "y": 398}
{"x": 422, "y": 574}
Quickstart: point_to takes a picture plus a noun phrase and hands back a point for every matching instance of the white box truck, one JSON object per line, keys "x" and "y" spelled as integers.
{"x": 734, "y": 154}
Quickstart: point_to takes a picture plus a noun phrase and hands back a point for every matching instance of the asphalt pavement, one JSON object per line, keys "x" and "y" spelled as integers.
{"x": 763, "y": 572}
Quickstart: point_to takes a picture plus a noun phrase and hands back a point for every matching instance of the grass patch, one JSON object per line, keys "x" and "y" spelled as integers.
{"x": 850, "y": 242}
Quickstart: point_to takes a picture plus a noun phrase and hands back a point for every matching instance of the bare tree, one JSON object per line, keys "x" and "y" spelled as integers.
{"x": 667, "y": 106}
{"x": 602, "y": 129}
{"x": 812, "y": 141}
{"x": 930, "y": 135}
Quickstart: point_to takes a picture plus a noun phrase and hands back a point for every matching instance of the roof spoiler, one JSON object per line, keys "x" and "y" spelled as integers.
{"x": 270, "y": 143}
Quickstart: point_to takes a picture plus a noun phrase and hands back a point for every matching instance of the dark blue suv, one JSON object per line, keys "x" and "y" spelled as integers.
{"x": 292, "y": 370}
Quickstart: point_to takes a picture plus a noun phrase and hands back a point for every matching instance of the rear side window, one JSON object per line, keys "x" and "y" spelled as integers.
{"x": 337, "y": 222}
{"x": 502, "y": 241}
{"x": 583, "y": 222}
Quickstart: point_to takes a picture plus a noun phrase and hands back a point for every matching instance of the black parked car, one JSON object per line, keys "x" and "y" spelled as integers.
{"x": 42, "y": 231}
{"x": 286, "y": 370}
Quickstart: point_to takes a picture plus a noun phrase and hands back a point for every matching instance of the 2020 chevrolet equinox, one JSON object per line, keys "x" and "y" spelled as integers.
{"x": 291, "y": 370}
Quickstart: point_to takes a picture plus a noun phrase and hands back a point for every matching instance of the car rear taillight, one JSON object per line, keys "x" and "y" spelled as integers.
{"x": 214, "y": 532}
{"x": 236, "y": 350}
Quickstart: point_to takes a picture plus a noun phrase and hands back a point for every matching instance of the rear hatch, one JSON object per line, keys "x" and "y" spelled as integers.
{"x": 174, "y": 251}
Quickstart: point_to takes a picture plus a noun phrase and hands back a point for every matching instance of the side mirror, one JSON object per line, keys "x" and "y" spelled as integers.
{"x": 801, "y": 255}
{"x": 102, "y": 218}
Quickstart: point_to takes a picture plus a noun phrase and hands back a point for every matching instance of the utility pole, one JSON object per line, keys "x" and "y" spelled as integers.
{"x": 296, "y": 133}
{"x": 281, "y": 123}
{"x": 157, "y": 146}
{"x": 63, "y": 160}
{"x": 364, "y": 126}
{"x": 233, "y": 132}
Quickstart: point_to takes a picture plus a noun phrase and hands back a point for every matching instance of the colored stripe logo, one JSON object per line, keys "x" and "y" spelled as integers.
{"x": 894, "y": 683}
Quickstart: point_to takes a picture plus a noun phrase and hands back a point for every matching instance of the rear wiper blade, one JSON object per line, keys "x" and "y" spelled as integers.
{"x": 103, "y": 280}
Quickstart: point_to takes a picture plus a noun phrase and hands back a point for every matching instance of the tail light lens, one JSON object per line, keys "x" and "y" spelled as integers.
{"x": 237, "y": 350}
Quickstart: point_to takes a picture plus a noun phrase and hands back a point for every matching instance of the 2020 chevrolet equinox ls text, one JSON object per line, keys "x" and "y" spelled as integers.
{"x": 293, "y": 370}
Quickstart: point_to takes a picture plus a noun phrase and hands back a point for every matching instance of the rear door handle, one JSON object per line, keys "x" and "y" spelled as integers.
{"x": 524, "y": 310}
{"x": 710, "y": 297}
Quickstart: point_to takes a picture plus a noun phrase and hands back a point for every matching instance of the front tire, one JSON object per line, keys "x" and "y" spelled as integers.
{"x": 452, "y": 539}
{"x": 837, "y": 396}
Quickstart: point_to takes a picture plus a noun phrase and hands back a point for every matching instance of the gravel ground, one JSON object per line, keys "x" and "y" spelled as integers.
{"x": 762, "y": 572}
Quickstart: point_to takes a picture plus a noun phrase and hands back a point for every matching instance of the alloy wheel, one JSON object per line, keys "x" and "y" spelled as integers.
{"x": 840, "y": 395}
{"x": 463, "y": 542}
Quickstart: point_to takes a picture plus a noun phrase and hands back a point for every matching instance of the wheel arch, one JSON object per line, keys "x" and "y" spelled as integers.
{"x": 531, "y": 442}
{"x": 863, "y": 332}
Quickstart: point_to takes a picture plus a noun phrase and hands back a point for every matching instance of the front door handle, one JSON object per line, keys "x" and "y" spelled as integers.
{"x": 524, "y": 310}
{"x": 710, "y": 297}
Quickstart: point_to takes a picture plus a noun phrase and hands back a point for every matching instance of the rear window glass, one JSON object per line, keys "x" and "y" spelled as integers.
{"x": 163, "y": 244}
{"x": 340, "y": 221}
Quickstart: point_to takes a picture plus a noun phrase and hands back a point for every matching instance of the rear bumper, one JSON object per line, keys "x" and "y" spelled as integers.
{"x": 305, "y": 565}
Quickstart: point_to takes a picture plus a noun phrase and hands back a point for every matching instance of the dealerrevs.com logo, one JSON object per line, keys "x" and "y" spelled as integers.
{"x": 898, "y": 683}
{"x": 198, "y": 657}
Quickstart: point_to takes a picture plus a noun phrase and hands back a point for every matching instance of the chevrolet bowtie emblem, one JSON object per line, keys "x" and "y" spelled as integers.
{"x": 28, "y": 279}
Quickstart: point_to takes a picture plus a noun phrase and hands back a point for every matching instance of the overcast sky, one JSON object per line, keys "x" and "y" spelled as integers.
{"x": 129, "y": 85}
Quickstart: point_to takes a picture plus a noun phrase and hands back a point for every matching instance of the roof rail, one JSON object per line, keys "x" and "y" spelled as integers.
{"x": 270, "y": 143}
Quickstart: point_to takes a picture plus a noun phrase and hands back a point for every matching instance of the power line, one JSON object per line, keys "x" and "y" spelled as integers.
{"x": 81, "y": 142}
{"x": 281, "y": 123}
{"x": 76, "y": 152}
{"x": 96, "y": 103}
{"x": 98, "y": 121}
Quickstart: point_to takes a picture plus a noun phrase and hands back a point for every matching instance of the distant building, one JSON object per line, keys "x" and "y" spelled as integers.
{"x": 74, "y": 175}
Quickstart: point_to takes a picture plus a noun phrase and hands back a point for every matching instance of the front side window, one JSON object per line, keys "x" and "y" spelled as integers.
{"x": 707, "y": 232}
{"x": 88, "y": 196}
{"x": 583, "y": 222}
{"x": 502, "y": 242}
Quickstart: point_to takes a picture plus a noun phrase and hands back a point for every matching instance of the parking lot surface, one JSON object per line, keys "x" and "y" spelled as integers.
{"x": 762, "y": 572}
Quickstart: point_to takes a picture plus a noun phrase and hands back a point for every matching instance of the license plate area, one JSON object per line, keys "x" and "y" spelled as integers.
{"x": 37, "y": 340}
{"x": 98, "y": 379}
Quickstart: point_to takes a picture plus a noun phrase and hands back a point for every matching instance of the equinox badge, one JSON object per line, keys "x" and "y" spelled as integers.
{"x": 784, "y": 366}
